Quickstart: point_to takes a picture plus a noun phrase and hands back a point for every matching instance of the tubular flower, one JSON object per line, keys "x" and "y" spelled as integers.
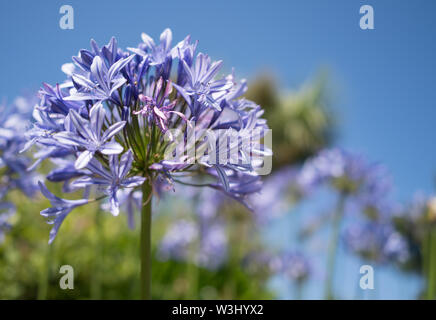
{"x": 116, "y": 125}
{"x": 88, "y": 136}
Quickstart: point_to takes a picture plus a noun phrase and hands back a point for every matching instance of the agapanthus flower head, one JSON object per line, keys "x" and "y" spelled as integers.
{"x": 368, "y": 184}
{"x": 295, "y": 266}
{"x": 14, "y": 120}
{"x": 337, "y": 166}
{"x": 377, "y": 241}
{"x": 116, "y": 123}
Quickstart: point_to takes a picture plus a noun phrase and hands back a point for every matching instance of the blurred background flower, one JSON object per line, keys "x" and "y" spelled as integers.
{"x": 14, "y": 175}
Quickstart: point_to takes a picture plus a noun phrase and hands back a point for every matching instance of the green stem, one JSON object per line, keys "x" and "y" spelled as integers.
{"x": 192, "y": 267}
{"x": 431, "y": 268}
{"x": 193, "y": 274}
{"x": 299, "y": 290}
{"x": 425, "y": 257}
{"x": 333, "y": 246}
{"x": 98, "y": 257}
{"x": 45, "y": 278}
{"x": 426, "y": 260}
{"x": 146, "y": 242}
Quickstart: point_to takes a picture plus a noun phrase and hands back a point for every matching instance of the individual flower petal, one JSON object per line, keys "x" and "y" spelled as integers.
{"x": 111, "y": 148}
{"x": 83, "y": 159}
{"x": 113, "y": 130}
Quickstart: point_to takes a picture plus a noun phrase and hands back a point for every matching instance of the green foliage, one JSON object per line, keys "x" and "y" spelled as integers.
{"x": 105, "y": 258}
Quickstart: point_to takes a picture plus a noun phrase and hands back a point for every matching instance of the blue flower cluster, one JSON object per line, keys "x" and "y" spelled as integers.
{"x": 13, "y": 167}
{"x": 202, "y": 240}
{"x": 120, "y": 116}
{"x": 377, "y": 241}
{"x": 367, "y": 187}
{"x": 368, "y": 184}
{"x": 295, "y": 266}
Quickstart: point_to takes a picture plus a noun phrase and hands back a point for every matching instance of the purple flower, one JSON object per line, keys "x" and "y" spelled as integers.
{"x": 112, "y": 181}
{"x": 377, "y": 241}
{"x": 14, "y": 119}
{"x": 44, "y": 126}
{"x": 108, "y": 53}
{"x": 102, "y": 82}
{"x": 53, "y": 100}
{"x": 130, "y": 201}
{"x": 185, "y": 52}
{"x": 157, "y": 107}
{"x": 115, "y": 103}
{"x": 295, "y": 266}
{"x": 59, "y": 210}
{"x": 324, "y": 166}
{"x": 368, "y": 184}
{"x": 201, "y": 90}
{"x": 238, "y": 185}
{"x": 65, "y": 171}
{"x": 157, "y": 54}
{"x": 89, "y": 136}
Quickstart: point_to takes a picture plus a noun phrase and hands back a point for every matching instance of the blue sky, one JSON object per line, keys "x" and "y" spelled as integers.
{"x": 382, "y": 79}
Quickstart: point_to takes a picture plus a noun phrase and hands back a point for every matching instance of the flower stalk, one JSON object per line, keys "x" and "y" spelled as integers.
{"x": 333, "y": 245}
{"x": 44, "y": 282}
{"x": 98, "y": 256}
{"x": 146, "y": 256}
{"x": 431, "y": 261}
